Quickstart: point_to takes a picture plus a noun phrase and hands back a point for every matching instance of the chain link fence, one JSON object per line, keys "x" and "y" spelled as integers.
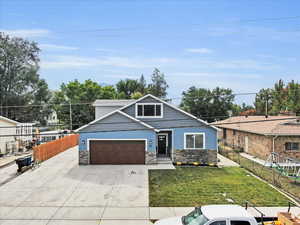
{"x": 290, "y": 185}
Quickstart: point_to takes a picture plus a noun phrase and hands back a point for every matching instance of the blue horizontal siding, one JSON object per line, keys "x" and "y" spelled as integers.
{"x": 210, "y": 137}
{"x": 146, "y": 134}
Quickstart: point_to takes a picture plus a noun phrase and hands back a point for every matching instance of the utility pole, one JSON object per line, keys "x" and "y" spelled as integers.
{"x": 70, "y": 108}
{"x": 266, "y": 107}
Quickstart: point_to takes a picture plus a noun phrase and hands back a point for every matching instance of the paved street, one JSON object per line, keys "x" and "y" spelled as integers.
{"x": 61, "y": 192}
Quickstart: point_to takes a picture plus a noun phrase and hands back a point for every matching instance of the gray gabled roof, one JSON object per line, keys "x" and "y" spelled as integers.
{"x": 172, "y": 106}
{"x": 123, "y": 114}
{"x": 113, "y": 102}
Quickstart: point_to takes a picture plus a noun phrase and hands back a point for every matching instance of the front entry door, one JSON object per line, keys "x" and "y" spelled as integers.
{"x": 162, "y": 144}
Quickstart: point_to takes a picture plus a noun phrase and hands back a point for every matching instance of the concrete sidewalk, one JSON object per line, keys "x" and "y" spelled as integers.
{"x": 225, "y": 162}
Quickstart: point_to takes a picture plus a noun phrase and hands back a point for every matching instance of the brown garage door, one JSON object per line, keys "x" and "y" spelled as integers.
{"x": 117, "y": 152}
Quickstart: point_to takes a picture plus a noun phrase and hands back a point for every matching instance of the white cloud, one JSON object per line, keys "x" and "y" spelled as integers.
{"x": 68, "y": 61}
{"x": 199, "y": 50}
{"x": 214, "y": 75}
{"x": 249, "y": 66}
{"x": 77, "y": 61}
{"x": 105, "y": 50}
{"x": 57, "y": 47}
{"x": 256, "y": 32}
{"x": 27, "y": 33}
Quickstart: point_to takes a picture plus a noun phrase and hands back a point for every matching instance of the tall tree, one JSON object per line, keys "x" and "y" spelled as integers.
{"x": 127, "y": 87}
{"x": 79, "y": 95}
{"x": 279, "y": 97}
{"x": 283, "y": 97}
{"x": 263, "y": 101}
{"x": 142, "y": 88}
{"x": 20, "y": 82}
{"x": 293, "y": 100}
{"x": 159, "y": 85}
{"x": 208, "y": 104}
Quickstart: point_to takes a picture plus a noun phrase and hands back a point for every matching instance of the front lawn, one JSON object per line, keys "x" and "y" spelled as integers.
{"x": 191, "y": 186}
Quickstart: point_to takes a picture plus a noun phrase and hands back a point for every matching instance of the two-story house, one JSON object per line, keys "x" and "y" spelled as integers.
{"x": 140, "y": 131}
{"x": 13, "y": 135}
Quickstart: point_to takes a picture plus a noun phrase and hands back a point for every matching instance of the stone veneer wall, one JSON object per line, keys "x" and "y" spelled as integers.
{"x": 150, "y": 158}
{"x": 84, "y": 157}
{"x": 203, "y": 156}
{"x": 280, "y": 146}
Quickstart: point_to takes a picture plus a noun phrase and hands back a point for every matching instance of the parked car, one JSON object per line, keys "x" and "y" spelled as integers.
{"x": 213, "y": 215}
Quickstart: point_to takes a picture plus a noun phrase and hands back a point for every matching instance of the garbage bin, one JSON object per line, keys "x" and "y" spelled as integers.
{"x": 22, "y": 162}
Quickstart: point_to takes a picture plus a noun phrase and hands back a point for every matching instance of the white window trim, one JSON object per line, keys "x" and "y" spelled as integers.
{"x": 202, "y": 133}
{"x": 161, "y": 108}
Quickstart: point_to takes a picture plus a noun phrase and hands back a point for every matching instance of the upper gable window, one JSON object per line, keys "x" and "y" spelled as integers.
{"x": 149, "y": 110}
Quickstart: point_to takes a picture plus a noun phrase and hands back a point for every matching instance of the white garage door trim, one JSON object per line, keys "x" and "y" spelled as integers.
{"x": 99, "y": 139}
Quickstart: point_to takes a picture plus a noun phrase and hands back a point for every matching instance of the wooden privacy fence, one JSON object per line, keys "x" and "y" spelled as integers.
{"x": 46, "y": 151}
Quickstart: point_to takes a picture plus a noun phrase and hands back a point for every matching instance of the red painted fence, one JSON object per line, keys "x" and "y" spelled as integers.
{"x": 46, "y": 151}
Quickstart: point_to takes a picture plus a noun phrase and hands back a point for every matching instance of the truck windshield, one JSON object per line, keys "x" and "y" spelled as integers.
{"x": 194, "y": 218}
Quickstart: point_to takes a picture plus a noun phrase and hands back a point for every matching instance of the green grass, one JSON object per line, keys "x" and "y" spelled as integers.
{"x": 268, "y": 174}
{"x": 206, "y": 185}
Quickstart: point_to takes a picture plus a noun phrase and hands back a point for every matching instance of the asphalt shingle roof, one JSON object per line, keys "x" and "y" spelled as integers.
{"x": 273, "y": 125}
{"x": 113, "y": 102}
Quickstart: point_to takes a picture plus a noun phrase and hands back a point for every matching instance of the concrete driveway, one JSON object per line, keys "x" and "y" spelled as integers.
{"x": 61, "y": 192}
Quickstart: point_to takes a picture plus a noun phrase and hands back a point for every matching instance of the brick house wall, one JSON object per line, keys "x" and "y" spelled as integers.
{"x": 259, "y": 145}
{"x": 280, "y": 146}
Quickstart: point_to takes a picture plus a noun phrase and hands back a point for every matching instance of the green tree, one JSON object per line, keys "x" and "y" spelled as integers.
{"x": 79, "y": 95}
{"x": 142, "y": 88}
{"x": 279, "y": 97}
{"x": 208, "y": 104}
{"x": 136, "y": 95}
{"x": 263, "y": 101}
{"x": 20, "y": 82}
{"x": 127, "y": 87}
{"x": 159, "y": 85}
{"x": 282, "y": 97}
{"x": 293, "y": 99}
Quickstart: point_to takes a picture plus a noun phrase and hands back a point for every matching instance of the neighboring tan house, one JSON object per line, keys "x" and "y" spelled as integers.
{"x": 13, "y": 135}
{"x": 144, "y": 130}
{"x": 260, "y": 135}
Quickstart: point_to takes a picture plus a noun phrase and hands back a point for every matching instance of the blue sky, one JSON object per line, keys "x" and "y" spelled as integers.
{"x": 244, "y": 45}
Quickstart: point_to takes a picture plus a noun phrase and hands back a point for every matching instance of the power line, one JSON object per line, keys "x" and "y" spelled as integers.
{"x": 270, "y": 19}
{"x": 207, "y": 125}
{"x": 149, "y": 28}
{"x": 90, "y": 103}
{"x": 46, "y": 104}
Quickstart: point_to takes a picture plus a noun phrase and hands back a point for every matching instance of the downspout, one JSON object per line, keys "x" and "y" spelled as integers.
{"x": 274, "y": 137}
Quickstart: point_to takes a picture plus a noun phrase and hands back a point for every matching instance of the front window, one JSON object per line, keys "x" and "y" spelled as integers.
{"x": 148, "y": 110}
{"x": 194, "y": 218}
{"x": 292, "y": 146}
{"x": 194, "y": 140}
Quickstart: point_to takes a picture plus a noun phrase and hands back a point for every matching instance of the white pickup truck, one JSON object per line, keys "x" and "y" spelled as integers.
{"x": 213, "y": 215}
